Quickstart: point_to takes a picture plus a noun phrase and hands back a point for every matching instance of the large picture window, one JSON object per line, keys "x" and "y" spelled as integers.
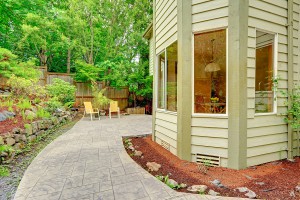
{"x": 264, "y": 95}
{"x": 167, "y": 78}
{"x": 210, "y": 72}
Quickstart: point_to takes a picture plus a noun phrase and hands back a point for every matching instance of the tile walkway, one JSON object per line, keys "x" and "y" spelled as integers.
{"x": 89, "y": 162}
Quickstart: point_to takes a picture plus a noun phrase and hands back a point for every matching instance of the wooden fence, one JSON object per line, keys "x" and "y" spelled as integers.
{"x": 83, "y": 90}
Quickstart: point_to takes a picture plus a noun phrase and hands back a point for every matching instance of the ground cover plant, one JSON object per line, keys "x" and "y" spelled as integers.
{"x": 273, "y": 181}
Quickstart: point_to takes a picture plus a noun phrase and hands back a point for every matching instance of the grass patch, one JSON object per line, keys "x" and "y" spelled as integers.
{"x": 4, "y": 171}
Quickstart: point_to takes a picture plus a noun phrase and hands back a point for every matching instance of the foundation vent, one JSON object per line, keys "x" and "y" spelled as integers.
{"x": 208, "y": 160}
{"x": 165, "y": 145}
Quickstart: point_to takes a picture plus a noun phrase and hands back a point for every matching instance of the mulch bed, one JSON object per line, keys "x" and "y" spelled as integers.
{"x": 274, "y": 180}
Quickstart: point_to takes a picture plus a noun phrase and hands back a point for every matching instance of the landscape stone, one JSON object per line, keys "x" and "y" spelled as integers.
{"x": 131, "y": 148}
{"x": 19, "y": 146}
{"x": 153, "y": 166}
{"x": 172, "y": 182}
{"x": 16, "y": 130}
{"x": 217, "y": 183}
{"x": 10, "y": 141}
{"x": 1, "y": 140}
{"x": 183, "y": 185}
{"x": 41, "y": 125}
{"x": 242, "y": 189}
{"x": 29, "y": 113}
{"x": 250, "y": 194}
{"x": 35, "y": 127}
{"x": 39, "y": 132}
{"x": 31, "y": 138}
{"x": 28, "y": 129}
{"x": 213, "y": 193}
{"x": 138, "y": 153}
{"x": 6, "y": 114}
{"x": 197, "y": 188}
{"x": 297, "y": 188}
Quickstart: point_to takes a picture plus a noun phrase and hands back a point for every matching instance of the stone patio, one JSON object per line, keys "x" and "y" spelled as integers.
{"x": 89, "y": 162}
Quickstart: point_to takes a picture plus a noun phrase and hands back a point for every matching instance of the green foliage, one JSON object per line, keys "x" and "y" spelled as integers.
{"x": 293, "y": 113}
{"x": 63, "y": 91}
{"x": 166, "y": 179}
{"x": 86, "y": 72}
{"x": 24, "y": 104}
{"x": 42, "y": 113}
{"x": 22, "y": 87}
{"x": 4, "y": 171}
{"x": 99, "y": 100}
{"x": 9, "y": 66}
{"x": 53, "y": 104}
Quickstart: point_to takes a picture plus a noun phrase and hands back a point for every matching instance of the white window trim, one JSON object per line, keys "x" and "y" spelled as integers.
{"x": 163, "y": 110}
{"x": 212, "y": 115}
{"x": 275, "y": 60}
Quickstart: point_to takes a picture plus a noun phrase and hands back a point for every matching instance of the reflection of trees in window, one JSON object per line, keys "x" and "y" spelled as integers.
{"x": 210, "y": 72}
{"x": 160, "y": 84}
{"x": 264, "y": 96}
{"x": 167, "y": 78}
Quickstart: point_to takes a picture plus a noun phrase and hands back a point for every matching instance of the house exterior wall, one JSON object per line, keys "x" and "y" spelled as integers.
{"x": 209, "y": 134}
{"x": 267, "y": 134}
{"x": 151, "y": 53}
{"x": 165, "y": 128}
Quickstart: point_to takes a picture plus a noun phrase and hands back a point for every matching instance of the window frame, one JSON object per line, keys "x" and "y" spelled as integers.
{"x": 275, "y": 72}
{"x": 164, "y": 110}
{"x": 214, "y": 115}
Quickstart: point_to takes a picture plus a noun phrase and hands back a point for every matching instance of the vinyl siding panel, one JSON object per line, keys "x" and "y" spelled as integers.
{"x": 267, "y": 134}
{"x": 166, "y": 24}
{"x": 151, "y": 63}
{"x": 166, "y": 130}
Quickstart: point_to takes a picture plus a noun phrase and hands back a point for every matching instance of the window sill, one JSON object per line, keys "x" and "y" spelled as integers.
{"x": 166, "y": 112}
{"x": 200, "y": 115}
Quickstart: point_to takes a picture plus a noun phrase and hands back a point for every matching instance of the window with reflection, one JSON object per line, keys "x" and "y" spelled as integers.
{"x": 167, "y": 78}
{"x": 264, "y": 72}
{"x": 210, "y": 72}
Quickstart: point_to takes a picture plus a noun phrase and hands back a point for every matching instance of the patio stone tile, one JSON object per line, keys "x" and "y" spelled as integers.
{"x": 96, "y": 176}
{"x": 74, "y": 181}
{"x": 129, "y": 191}
{"x": 107, "y": 195}
{"x": 22, "y": 193}
{"x": 43, "y": 188}
{"x": 80, "y": 191}
{"x": 117, "y": 171}
{"x": 159, "y": 195}
{"x": 79, "y": 168}
{"x": 51, "y": 196}
{"x": 152, "y": 186}
{"x": 94, "y": 166}
{"x": 107, "y": 185}
{"x": 128, "y": 178}
{"x": 84, "y": 197}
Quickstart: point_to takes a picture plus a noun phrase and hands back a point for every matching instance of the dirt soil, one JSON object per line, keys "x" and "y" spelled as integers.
{"x": 9, "y": 124}
{"x": 272, "y": 181}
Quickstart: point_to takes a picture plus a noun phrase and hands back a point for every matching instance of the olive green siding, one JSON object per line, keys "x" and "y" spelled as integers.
{"x": 267, "y": 134}
{"x": 165, "y": 25}
{"x": 209, "y": 134}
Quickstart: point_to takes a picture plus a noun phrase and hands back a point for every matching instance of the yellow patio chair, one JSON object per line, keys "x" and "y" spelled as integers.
{"x": 88, "y": 109}
{"x": 113, "y": 107}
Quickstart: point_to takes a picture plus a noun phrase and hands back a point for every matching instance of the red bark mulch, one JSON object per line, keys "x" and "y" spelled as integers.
{"x": 273, "y": 181}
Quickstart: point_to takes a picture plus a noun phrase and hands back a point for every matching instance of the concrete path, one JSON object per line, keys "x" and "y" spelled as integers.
{"x": 90, "y": 162}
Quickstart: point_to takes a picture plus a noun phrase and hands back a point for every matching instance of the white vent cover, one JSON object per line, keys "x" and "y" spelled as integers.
{"x": 208, "y": 160}
{"x": 165, "y": 145}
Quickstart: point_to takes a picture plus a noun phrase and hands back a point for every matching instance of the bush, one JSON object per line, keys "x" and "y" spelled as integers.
{"x": 22, "y": 87}
{"x": 63, "y": 91}
{"x": 52, "y": 105}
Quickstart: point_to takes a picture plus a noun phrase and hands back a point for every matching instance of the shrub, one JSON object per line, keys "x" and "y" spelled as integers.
{"x": 52, "y": 105}
{"x": 63, "y": 91}
{"x": 24, "y": 104}
{"x": 42, "y": 113}
{"x": 22, "y": 87}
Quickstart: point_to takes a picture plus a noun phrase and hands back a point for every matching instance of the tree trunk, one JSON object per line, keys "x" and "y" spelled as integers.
{"x": 69, "y": 61}
{"x": 43, "y": 57}
{"x": 91, "y": 59}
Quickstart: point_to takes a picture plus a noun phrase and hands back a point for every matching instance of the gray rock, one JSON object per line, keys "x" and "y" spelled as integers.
{"x": 40, "y": 132}
{"x": 259, "y": 183}
{"x": 213, "y": 193}
{"x": 183, "y": 185}
{"x": 10, "y": 141}
{"x": 35, "y": 127}
{"x": 138, "y": 153}
{"x": 153, "y": 166}
{"x": 131, "y": 148}
{"x": 5, "y": 115}
{"x": 172, "y": 182}
{"x": 217, "y": 183}
{"x": 197, "y": 188}
{"x": 31, "y": 138}
{"x": 41, "y": 125}
{"x": 29, "y": 113}
{"x": 19, "y": 146}
{"x": 242, "y": 189}
{"x": 292, "y": 194}
{"x": 28, "y": 129}
{"x": 297, "y": 188}
{"x": 16, "y": 130}
{"x": 250, "y": 194}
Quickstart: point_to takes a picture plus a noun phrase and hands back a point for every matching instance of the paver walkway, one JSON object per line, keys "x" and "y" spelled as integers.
{"x": 90, "y": 162}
